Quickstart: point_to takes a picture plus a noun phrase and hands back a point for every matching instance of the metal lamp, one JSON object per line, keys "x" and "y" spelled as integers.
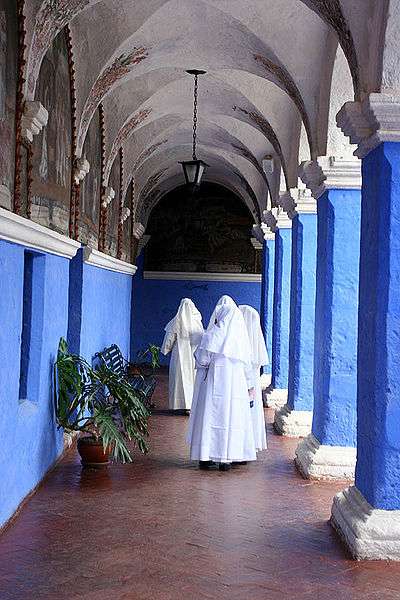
{"x": 194, "y": 169}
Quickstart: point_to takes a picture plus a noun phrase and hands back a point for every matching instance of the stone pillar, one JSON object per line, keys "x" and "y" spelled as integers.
{"x": 295, "y": 418}
{"x": 267, "y": 237}
{"x": 367, "y": 516}
{"x": 281, "y": 225}
{"x": 329, "y": 452}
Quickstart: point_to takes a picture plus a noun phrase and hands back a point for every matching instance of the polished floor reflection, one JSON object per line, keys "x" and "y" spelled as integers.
{"x": 160, "y": 529}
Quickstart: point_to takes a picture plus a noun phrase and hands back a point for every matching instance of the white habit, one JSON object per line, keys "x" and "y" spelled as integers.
{"x": 182, "y": 335}
{"x": 259, "y": 358}
{"x": 220, "y": 427}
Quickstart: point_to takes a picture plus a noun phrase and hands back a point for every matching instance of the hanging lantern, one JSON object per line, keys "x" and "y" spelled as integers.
{"x": 194, "y": 169}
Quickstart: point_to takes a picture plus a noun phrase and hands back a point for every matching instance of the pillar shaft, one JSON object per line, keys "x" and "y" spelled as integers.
{"x": 335, "y": 367}
{"x": 281, "y": 309}
{"x": 267, "y": 296}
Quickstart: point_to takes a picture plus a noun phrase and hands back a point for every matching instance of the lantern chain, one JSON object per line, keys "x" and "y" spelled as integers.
{"x": 196, "y": 86}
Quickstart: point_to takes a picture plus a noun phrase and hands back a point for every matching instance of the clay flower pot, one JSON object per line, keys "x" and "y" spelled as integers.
{"x": 92, "y": 452}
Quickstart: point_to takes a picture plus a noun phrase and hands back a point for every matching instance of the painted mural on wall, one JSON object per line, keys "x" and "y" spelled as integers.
{"x": 51, "y": 187}
{"x": 206, "y": 233}
{"x": 113, "y": 210}
{"x": 91, "y": 186}
{"x": 8, "y": 69}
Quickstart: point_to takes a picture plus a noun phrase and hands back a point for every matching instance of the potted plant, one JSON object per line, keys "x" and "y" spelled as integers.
{"x": 100, "y": 405}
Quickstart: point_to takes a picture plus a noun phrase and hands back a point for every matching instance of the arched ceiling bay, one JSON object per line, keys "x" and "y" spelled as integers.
{"x": 269, "y": 68}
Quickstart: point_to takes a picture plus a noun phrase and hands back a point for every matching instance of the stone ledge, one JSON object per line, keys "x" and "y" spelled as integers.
{"x": 275, "y": 397}
{"x": 319, "y": 461}
{"x": 19, "y": 230}
{"x": 293, "y": 423}
{"x": 104, "y": 261}
{"x": 190, "y": 276}
{"x": 369, "y": 533}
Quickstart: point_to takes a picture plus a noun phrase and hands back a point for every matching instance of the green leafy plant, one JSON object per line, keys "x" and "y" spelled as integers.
{"x": 153, "y": 352}
{"x": 99, "y": 402}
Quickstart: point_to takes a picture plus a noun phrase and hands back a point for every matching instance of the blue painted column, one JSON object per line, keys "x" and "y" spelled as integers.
{"x": 295, "y": 418}
{"x": 367, "y": 515}
{"x": 267, "y": 297}
{"x": 329, "y": 452}
{"x": 277, "y": 393}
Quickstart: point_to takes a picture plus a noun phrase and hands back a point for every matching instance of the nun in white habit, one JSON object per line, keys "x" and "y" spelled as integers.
{"x": 182, "y": 336}
{"x": 220, "y": 428}
{"x": 259, "y": 358}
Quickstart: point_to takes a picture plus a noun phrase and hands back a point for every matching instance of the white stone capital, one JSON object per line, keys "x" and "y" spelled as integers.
{"x": 82, "y": 168}
{"x": 257, "y": 245}
{"x": 108, "y": 197}
{"x": 34, "y": 118}
{"x": 369, "y": 533}
{"x": 330, "y": 173}
{"x": 269, "y": 235}
{"x": 275, "y": 398}
{"x": 293, "y": 423}
{"x": 369, "y": 123}
{"x": 283, "y": 221}
{"x": 319, "y": 461}
{"x": 288, "y": 204}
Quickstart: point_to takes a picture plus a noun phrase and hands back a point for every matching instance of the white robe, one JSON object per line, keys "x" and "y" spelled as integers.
{"x": 220, "y": 427}
{"x": 259, "y": 358}
{"x": 182, "y": 336}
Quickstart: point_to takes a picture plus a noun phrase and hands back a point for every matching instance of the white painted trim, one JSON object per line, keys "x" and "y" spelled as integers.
{"x": 369, "y": 533}
{"x": 104, "y": 261}
{"x": 182, "y": 276}
{"x": 293, "y": 423}
{"x": 318, "y": 461}
{"x": 19, "y": 230}
{"x": 275, "y": 398}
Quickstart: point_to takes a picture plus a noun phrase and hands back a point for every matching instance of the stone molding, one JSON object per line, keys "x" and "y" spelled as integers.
{"x": 306, "y": 203}
{"x": 288, "y": 204}
{"x": 82, "y": 168}
{"x": 369, "y": 533}
{"x": 104, "y": 261}
{"x": 275, "y": 397}
{"x": 293, "y": 423}
{"x": 269, "y": 218}
{"x": 258, "y": 233}
{"x": 283, "y": 221}
{"x": 17, "y": 229}
{"x": 269, "y": 235}
{"x": 138, "y": 230}
{"x": 125, "y": 214}
{"x": 257, "y": 245}
{"x": 183, "y": 276}
{"x": 34, "y": 118}
{"x": 330, "y": 173}
{"x": 108, "y": 197}
{"x": 318, "y": 461}
{"x": 369, "y": 123}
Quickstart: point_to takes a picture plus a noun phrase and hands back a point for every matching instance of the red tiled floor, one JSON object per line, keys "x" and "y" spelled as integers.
{"x": 159, "y": 529}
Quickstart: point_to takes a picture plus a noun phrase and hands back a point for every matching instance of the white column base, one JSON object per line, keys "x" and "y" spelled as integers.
{"x": 369, "y": 533}
{"x": 275, "y": 398}
{"x": 318, "y": 461}
{"x": 293, "y": 423}
{"x": 265, "y": 379}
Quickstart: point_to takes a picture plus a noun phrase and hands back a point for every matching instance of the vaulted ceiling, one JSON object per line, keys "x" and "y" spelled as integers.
{"x": 267, "y": 91}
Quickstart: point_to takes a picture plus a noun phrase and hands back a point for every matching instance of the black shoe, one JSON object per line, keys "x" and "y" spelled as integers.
{"x": 206, "y": 464}
{"x": 224, "y": 467}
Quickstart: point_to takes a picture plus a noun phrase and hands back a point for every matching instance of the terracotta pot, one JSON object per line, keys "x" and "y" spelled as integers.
{"x": 92, "y": 452}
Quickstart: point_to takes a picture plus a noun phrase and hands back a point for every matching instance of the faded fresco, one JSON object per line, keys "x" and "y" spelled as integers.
{"x": 206, "y": 233}
{"x": 113, "y": 209}
{"x": 51, "y": 188}
{"x": 90, "y": 197}
{"x": 8, "y": 69}
{"x": 127, "y": 253}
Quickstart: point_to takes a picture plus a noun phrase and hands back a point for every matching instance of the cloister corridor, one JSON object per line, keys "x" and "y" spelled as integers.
{"x": 160, "y": 529}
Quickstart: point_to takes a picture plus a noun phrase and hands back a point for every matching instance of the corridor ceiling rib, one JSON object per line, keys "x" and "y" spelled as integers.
{"x": 269, "y": 76}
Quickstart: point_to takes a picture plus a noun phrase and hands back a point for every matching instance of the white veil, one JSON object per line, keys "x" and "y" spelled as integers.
{"x": 258, "y": 348}
{"x": 226, "y": 332}
{"x": 187, "y": 321}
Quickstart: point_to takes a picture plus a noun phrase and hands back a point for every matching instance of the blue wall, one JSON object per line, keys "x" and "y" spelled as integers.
{"x": 378, "y": 405}
{"x": 30, "y": 442}
{"x": 155, "y": 302}
{"x": 281, "y": 313}
{"x": 302, "y": 312}
{"x": 336, "y": 317}
{"x": 100, "y": 309}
